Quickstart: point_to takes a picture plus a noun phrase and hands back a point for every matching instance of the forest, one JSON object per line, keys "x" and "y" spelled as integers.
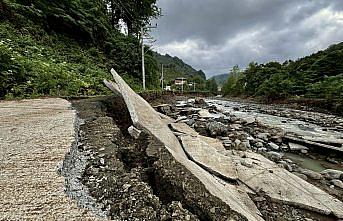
{"x": 67, "y": 47}
{"x": 319, "y": 75}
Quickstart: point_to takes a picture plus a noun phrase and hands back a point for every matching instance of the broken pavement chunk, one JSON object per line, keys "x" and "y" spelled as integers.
{"x": 283, "y": 186}
{"x": 134, "y": 132}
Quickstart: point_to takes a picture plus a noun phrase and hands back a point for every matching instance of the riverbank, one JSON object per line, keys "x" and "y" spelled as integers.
{"x": 334, "y": 106}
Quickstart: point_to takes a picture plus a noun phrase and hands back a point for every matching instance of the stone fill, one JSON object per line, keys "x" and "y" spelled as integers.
{"x": 35, "y": 136}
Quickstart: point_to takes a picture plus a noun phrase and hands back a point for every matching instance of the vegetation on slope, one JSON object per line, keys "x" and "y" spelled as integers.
{"x": 319, "y": 75}
{"x": 220, "y": 79}
{"x": 174, "y": 67}
{"x": 67, "y": 47}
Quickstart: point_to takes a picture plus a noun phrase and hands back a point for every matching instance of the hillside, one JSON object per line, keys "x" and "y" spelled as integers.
{"x": 67, "y": 48}
{"x": 174, "y": 67}
{"x": 319, "y": 75}
{"x": 220, "y": 79}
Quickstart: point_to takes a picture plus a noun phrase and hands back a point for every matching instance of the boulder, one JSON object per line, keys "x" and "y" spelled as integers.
{"x": 164, "y": 109}
{"x": 311, "y": 174}
{"x": 263, "y": 136}
{"x": 216, "y": 128}
{"x": 302, "y": 176}
{"x": 200, "y": 101}
{"x": 337, "y": 183}
{"x": 249, "y": 120}
{"x": 332, "y": 174}
{"x": 275, "y": 156}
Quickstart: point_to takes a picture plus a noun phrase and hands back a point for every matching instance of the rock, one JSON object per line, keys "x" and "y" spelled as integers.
{"x": 205, "y": 114}
{"x": 259, "y": 199}
{"x": 235, "y": 126}
{"x": 304, "y": 151}
{"x": 295, "y": 147}
{"x": 134, "y": 132}
{"x": 285, "y": 165}
{"x": 311, "y": 174}
{"x": 102, "y": 161}
{"x": 263, "y": 136}
{"x": 246, "y": 144}
{"x": 126, "y": 187}
{"x": 250, "y": 120}
{"x": 181, "y": 118}
{"x": 337, "y": 183}
{"x": 247, "y": 163}
{"x": 275, "y": 156}
{"x": 164, "y": 109}
{"x": 190, "y": 122}
{"x": 262, "y": 150}
{"x": 199, "y": 101}
{"x": 273, "y": 146}
{"x": 259, "y": 145}
{"x": 332, "y": 174}
{"x": 216, "y": 128}
{"x": 302, "y": 176}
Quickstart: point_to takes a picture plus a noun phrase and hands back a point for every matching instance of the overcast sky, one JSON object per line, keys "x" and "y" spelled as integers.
{"x": 214, "y": 35}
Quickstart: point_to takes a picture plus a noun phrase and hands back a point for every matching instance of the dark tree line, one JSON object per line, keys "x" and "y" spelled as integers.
{"x": 319, "y": 75}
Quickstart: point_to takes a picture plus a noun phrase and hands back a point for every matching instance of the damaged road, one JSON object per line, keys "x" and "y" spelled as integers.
{"x": 144, "y": 165}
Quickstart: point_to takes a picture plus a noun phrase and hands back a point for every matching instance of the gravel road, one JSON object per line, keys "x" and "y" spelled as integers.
{"x": 35, "y": 135}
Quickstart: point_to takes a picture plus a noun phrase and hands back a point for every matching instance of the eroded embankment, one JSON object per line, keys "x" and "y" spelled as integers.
{"x": 137, "y": 179}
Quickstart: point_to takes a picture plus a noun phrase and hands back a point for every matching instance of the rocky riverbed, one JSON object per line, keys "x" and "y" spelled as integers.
{"x": 307, "y": 144}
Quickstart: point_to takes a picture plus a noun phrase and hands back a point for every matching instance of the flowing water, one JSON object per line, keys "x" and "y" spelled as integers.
{"x": 291, "y": 125}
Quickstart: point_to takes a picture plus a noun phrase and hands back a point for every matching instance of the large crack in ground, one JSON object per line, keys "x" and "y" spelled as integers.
{"x": 136, "y": 179}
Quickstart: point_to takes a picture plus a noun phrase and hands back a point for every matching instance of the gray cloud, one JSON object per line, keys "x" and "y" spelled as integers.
{"x": 214, "y": 35}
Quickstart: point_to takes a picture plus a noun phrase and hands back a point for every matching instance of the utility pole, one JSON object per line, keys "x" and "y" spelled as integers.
{"x": 143, "y": 65}
{"x": 162, "y": 78}
{"x": 182, "y": 86}
{"x": 143, "y": 33}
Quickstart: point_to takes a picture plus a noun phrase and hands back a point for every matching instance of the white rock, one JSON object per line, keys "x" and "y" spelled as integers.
{"x": 337, "y": 183}
{"x": 332, "y": 174}
{"x": 294, "y": 146}
{"x": 274, "y": 146}
{"x": 134, "y": 132}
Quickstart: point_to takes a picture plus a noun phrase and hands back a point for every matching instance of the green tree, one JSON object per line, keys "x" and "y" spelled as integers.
{"x": 211, "y": 86}
{"x": 135, "y": 13}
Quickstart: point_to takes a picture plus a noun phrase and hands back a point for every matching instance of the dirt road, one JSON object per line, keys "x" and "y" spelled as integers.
{"x": 35, "y": 135}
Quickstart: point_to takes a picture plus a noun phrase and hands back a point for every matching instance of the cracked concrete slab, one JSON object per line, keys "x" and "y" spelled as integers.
{"x": 35, "y": 136}
{"x": 145, "y": 117}
{"x": 183, "y": 128}
{"x": 283, "y": 186}
{"x": 208, "y": 157}
{"x": 187, "y": 130}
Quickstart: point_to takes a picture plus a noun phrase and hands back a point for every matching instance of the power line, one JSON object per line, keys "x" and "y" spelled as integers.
{"x": 124, "y": 10}
{"x": 128, "y": 11}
